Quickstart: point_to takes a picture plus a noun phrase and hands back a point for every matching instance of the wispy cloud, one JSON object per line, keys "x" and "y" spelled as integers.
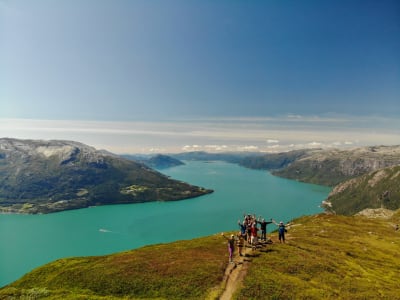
{"x": 271, "y": 141}
{"x": 213, "y": 134}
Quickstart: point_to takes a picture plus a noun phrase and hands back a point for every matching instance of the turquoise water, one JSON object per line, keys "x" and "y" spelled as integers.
{"x": 28, "y": 241}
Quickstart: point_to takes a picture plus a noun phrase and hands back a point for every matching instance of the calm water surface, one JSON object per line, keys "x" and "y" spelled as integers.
{"x": 28, "y": 241}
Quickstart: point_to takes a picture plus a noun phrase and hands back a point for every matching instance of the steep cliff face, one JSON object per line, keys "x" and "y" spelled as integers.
{"x": 47, "y": 176}
{"x": 378, "y": 189}
{"x": 330, "y": 167}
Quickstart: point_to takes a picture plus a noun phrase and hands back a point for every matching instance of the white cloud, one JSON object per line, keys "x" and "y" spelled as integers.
{"x": 157, "y": 150}
{"x": 314, "y": 144}
{"x": 227, "y": 134}
{"x": 191, "y": 148}
{"x": 272, "y": 141}
{"x": 216, "y": 147}
{"x": 247, "y": 148}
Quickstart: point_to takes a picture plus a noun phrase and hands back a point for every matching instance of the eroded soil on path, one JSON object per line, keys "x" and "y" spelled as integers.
{"x": 236, "y": 271}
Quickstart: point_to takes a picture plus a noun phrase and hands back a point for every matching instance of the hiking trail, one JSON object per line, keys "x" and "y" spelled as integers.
{"x": 235, "y": 272}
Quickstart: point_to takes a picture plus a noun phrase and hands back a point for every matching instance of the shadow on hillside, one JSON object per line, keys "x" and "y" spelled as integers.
{"x": 267, "y": 250}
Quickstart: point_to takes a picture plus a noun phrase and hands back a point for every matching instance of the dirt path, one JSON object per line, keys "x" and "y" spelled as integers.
{"x": 235, "y": 272}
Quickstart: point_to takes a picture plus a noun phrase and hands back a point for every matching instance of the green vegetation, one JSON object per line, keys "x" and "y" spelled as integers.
{"x": 180, "y": 270}
{"x": 319, "y": 166}
{"x": 325, "y": 257}
{"x": 330, "y": 167}
{"x": 133, "y": 189}
{"x": 44, "y": 177}
{"x": 273, "y": 161}
{"x": 158, "y": 161}
{"x": 374, "y": 190}
{"x": 327, "y": 172}
{"x": 329, "y": 257}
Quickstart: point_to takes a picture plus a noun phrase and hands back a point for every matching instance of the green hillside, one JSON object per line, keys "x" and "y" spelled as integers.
{"x": 180, "y": 270}
{"x": 325, "y": 257}
{"x": 329, "y": 257}
{"x": 331, "y": 167}
{"x": 48, "y": 176}
{"x": 374, "y": 190}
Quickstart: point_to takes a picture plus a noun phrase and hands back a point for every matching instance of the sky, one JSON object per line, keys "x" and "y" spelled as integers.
{"x": 172, "y": 76}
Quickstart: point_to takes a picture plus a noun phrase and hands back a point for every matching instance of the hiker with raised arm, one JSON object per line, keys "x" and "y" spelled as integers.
{"x": 254, "y": 235}
{"x": 242, "y": 228}
{"x": 231, "y": 246}
{"x": 263, "y": 224}
{"x": 281, "y": 230}
{"x": 240, "y": 243}
{"x": 248, "y": 230}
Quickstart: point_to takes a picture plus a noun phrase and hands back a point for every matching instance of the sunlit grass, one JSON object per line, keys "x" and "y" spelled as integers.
{"x": 325, "y": 257}
{"x": 180, "y": 270}
{"x": 329, "y": 257}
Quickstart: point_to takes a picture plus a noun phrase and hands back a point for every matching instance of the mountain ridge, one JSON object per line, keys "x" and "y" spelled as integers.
{"x": 376, "y": 189}
{"x": 320, "y": 166}
{"x": 38, "y": 176}
{"x": 330, "y": 167}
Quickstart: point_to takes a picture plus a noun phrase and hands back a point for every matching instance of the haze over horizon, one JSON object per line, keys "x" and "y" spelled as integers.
{"x": 171, "y": 76}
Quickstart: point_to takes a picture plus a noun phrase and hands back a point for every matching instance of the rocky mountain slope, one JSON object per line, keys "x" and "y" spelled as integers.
{"x": 320, "y": 166}
{"x": 377, "y": 189}
{"x": 330, "y": 167}
{"x": 325, "y": 257}
{"x": 48, "y": 176}
{"x": 158, "y": 161}
{"x": 275, "y": 161}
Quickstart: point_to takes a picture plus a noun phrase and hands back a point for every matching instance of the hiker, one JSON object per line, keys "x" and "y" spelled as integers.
{"x": 240, "y": 243}
{"x": 231, "y": 246}
{"x": 242, "y": 228}
{"x": 264, "y": 224}
{"x": 396, "y": 227}
{"x": 281, "y": 231}
{"x": 248, "y": 228}
{"x": 254, "y": 236}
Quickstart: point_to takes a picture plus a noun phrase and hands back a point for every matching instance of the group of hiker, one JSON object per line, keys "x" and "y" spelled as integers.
{"x": 249, "y": 234}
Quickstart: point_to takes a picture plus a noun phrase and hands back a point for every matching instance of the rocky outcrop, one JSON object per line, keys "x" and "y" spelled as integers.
{"x": 47, "y": 176}
{"x": 378, "y": 189}
{"x": 330, "y": 167}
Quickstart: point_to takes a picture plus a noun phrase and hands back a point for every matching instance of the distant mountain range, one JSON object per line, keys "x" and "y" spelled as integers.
{"x": 320, "y": 166}
{"x": 366, "y": 177}
{"x": 158, "y": 161}
{"x": 331, "y": 167}
{"x": 49, "y": 176}
{"x": 73, "y": 175}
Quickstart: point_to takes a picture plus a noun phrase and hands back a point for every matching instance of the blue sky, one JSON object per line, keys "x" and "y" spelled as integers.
{"x": 139, "y": 65}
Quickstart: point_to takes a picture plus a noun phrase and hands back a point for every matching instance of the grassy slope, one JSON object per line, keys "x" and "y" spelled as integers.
{"x": 329, "y": 257}
{"x": 326, "y": 257}
{"x": 180, "y": 270}
{"x": 373, "y": 190}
